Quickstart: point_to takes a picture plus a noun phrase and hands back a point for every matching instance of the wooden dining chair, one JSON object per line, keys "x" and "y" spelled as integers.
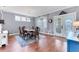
{"x": 24, "y": 31}
{"x": 20, "y": 31}
{"x": 37, "y": 29}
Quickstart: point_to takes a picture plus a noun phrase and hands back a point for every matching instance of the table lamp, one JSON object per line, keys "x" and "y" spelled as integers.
{"x": 76, "y": 25}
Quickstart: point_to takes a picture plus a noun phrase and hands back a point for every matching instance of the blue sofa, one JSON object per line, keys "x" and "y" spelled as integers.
{"x": 72, "y": 46}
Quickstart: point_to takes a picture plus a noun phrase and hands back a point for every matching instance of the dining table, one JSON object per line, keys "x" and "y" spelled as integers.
{"x": 29, "y": 30}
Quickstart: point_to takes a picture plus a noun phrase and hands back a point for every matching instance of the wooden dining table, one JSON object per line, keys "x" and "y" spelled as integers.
{"x": 29, "y": 30}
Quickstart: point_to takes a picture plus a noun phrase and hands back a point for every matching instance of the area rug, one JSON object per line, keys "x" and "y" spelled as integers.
{"x": 72, "y": 46}
{"x": 24, "y": 41}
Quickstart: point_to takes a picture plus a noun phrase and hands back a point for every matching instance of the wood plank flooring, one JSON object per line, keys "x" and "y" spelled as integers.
{"x": 45, "y": 44}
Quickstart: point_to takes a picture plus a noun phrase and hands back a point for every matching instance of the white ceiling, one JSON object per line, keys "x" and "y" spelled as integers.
{"x": 33, "y": 10}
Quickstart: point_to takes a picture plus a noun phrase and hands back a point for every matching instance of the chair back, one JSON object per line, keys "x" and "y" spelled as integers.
{"x": 20, "y": 30}
{"x": 23, "y": 28}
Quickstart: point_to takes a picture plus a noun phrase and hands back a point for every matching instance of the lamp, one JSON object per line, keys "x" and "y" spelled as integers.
{"x": 76, "y": 25}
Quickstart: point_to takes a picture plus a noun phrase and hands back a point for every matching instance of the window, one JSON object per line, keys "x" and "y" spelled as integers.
{"x": 45, "y": 23}
{"x": 28, "y": 20}
{"x": 23, "y": 18}
{"x": 17, "y": 18}
{"x": 42, "y": 23}
{"x": 20, "y": 18}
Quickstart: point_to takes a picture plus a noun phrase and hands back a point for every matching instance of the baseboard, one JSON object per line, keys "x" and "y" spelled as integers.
{"x": 40, "y": 33}
{"x": 52, "y": 34}
{"x": 13, "y": 34}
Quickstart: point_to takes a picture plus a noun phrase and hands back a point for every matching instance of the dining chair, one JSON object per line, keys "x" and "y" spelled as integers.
{"x": 37, "y": 29}
{"x": 25, "y": 32}
{"x": 20, "y": 31}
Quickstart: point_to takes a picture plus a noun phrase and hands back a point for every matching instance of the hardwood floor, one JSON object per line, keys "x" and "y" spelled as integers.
{"x": 45, "y": 44}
